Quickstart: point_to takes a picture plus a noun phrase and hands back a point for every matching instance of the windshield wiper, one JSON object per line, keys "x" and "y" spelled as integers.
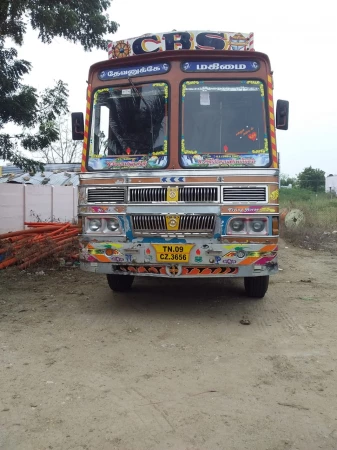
{"x": 140, "y": 95}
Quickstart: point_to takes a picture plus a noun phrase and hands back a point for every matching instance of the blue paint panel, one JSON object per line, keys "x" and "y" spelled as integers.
{"x": 173, "y": 179}
{"x": 135, "y": 71}
{"x": 160, "y": 240}
{"x": 224, "y": 221}
{"x": 220, "y": 66}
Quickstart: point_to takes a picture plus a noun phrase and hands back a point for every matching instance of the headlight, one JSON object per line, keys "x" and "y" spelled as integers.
{"x": 248, "y": 225}
{"x": 237, "y": 225}
{"x": 112, "y": 224}
{"x": 257, "y": 225}
{"x": 95, "y": 224}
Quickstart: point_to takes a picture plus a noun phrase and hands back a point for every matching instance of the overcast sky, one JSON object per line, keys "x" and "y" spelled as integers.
{"x": 299, "y": 38}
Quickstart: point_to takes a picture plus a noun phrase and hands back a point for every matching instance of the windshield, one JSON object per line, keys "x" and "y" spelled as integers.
{"x": 224, "y": 124}
{"x": 129, "y": 128}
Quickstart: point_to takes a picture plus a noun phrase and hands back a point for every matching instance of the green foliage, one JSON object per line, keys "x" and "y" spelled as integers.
{"x": 85, "y": 23}
{"x": 295, "y": 195}
{"x": 285, "y": 180}
{"x": 313, "y": 179}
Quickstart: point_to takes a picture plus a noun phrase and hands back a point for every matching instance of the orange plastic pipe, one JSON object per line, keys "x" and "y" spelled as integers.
{"x": 19, "y": 233}
{"x": 44, "y": 254}
{"x": 60, "y": 230}
{"x": 7, "y": 263}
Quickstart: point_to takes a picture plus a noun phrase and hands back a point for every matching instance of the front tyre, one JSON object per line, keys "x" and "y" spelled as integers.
{"x": 120, "y": 283}
{"x": 256, "y": 287}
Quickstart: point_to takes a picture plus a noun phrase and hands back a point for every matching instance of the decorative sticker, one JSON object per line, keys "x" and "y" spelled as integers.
{"x": 248, "y": 209}
{"x": 274, "y": 195}
{"x": 181, "y": 40}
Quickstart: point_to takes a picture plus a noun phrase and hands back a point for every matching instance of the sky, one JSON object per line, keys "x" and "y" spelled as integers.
{"x": 299, "y": 38}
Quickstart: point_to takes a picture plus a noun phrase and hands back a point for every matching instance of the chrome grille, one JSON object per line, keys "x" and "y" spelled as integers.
{"x": 198, "y": 194}
{"x": 147, "y": 195}
{"x": 186, "y": 194}
{"x": 149, "y": 223}
{"x": 106, "y": 195}
{"x": 189, "y": 223}
{"x": 244, "y": 194}
{"x": 197, "y": 223}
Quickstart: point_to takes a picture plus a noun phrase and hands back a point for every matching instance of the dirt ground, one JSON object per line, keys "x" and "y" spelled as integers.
{"x": 169, "y": 365}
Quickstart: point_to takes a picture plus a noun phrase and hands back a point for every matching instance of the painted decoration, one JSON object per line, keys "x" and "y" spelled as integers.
{"x": 128, "y": 162}
{"x": 220, "y": 66}
{"x": 174, "y": 271}
{"x": 135, "y": 71}
{"x": 181, "y": 40}
{"x": 248, "y": 209}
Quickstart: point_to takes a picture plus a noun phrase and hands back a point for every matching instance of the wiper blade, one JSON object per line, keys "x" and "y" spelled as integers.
{"x": 140, "y": 95}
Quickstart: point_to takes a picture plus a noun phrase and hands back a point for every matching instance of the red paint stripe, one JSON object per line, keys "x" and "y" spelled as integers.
{"x": 272, "y": 122}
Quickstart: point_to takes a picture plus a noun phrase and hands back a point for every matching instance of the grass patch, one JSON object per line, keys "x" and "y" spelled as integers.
{"x": 320, "y": 211}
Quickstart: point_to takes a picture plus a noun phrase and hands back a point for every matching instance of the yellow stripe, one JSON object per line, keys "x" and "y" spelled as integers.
{"x": 272, "y": 117}
{"x": 272, "y": 128}
{"x": 273, "y": 141}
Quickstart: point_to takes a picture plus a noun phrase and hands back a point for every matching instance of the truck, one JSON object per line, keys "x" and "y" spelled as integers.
{"x": 180, "y": 170}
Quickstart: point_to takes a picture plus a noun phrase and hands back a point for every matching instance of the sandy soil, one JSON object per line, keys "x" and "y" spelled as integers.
{"x": 169, "y": 365}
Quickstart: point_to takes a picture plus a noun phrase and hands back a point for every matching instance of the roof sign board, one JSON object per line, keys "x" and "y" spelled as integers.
{"x": 126, "y": 72}
{"x": 220, "y": 66}
{"x": 181, "y": 40}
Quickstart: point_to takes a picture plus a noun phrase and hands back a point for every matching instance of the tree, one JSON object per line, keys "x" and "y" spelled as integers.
{"x": 85, "y": 23}
{"x": 285, "y": 180}
{"x": 313, "y": 179}
{"x": 64, "y": 150}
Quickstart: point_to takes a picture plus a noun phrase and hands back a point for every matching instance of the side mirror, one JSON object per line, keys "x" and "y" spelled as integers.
{"x": 282, "y": 114}
{"x": 77, "y": 126}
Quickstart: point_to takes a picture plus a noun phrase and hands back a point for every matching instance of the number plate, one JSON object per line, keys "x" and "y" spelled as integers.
{"x": 173, "y": 253}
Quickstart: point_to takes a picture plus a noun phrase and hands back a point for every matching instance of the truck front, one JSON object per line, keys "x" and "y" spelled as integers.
{"x": 180, "y": 168}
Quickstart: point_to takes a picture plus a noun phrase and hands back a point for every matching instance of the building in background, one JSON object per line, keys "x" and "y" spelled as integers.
{"x": 331, "y": 183}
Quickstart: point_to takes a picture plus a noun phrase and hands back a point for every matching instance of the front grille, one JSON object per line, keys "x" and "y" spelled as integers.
{"x": 147, "y": 195}
{"x": 197, "y": 223}
{"x": 198, "y": 194}
{"x": 189, "y": 223}
{"x": 106, "y": 195}
{"x": 186, "y": 194}
{"x": 244, "y": 194}
{"x": 149, "y": 223}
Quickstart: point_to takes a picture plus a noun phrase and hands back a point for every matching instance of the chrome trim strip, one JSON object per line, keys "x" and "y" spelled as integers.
{"x": 172, "y": 208}
{"x": 181, "y": 173}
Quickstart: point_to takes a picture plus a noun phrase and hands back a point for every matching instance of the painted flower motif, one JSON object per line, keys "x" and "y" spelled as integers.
{"x": 252, "y": 136}
{"x": 121, "y": 50}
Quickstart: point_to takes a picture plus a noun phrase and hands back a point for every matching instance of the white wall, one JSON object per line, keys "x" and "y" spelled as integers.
{"x": 21, "y": 203}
